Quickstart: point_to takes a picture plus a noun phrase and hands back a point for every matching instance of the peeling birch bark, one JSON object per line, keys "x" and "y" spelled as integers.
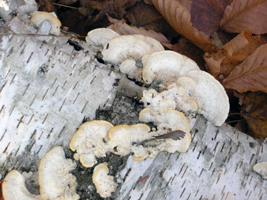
{"x": 47, "y": 89}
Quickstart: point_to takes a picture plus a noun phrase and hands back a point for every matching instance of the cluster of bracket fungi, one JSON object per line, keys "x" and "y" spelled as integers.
{"x": 184, "y": 91}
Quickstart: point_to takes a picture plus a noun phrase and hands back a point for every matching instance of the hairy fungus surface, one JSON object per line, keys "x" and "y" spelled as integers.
{"x": 90, "y": 141}
{"x": 54, "y": 176}
{"x": 104, "y": 183}
{"x": 39, "y": 17}
{"x": 14, "y": 188}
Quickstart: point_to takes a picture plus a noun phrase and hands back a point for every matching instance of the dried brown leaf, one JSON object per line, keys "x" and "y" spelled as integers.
{"x": 148, "y": 2}
{"x": 67, "y": 2}
{"x": 185, "y": 47}
{"x": 46, "y": 5}
{"x": 244, "y": 15}
{"x": 97, "y": 10}
{"x": 232, "y": 54}
{"x": 121, "y": 27}
{"x": 207, "y": 14}
{"x": 225, "y": 37}
{"x": 179, "y": 18}
{"x": 251, "y": 74}
{"x": 254, "y": 110}
{"x": 264, "y": 38}
{"x": 147, "y": 16}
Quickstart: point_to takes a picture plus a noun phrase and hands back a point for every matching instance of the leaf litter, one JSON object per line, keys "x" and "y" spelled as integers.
{"x": 222, "y": 36}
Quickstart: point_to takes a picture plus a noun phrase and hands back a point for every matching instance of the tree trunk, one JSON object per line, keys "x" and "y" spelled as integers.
{"x": 47, "y": 89}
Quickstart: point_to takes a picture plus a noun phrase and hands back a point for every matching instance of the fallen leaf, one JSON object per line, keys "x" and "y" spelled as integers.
{"x": 187, "y": 48}
{"x": 121, "y": 27}
{"x": 207, "y": 14}
{"x": 225, "y": 37}
{"x": 74, "y": 20}
{"x": 244, "y": 15}
{"x": 98, "y": 9}
{"x": 148, "y": 2}
{"x": 46, "y": 5}
{"x": 178, "y": 16}
{"x": 67, "y": 2}
{"x": 251, "y": 74}
{"x": 264, "y": 38}
{"x": 147, "y": 16}
{"x": 254, "y": 110}
{"x": 232, "y": 54}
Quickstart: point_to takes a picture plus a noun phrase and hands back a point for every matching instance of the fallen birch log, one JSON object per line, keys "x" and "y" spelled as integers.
{"x": 47, "y": 89}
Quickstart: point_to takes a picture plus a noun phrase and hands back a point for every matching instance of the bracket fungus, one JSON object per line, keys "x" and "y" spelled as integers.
{"x": 130, "y": 68}
{"x": 211, "y": 97}
{"x": 123, "y": 47}
{"x": 166, "y": 66}
{"x": 261, "y": 169}
{"x": 104, "y": 183}
{"x": 100, "y": 36}
{"x": 198, "y": 92}
{"x": 122, "y": 137}
{"x": 54, "y": 178}
{"x": 90, "y": 141}
{"x": 14, "y": 188}
{"x": 175, "y": 97}
{"x": 39, "y": 17}
{"x": 167, "y": 120}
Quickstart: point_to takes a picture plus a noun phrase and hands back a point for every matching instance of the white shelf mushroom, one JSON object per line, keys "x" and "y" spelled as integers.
{"x": 167, "y": 120}
{"x": 210, "y": 96}
{"x": 261, "y": 169}
{"x": 122, "y": 137}
{"x": 39, "y": 17}
{"x": 104, "y": 183}
{"x": 130, "y": 68}
{"x": 90, "y": 141}
{"x": 14, "y": 188}
{"x": 100, "y": 36}
{"x": 54, "y": 178}
{"x": 123, "y": 47}
{"x": 175, "y": 97}
{"x": 166, "y": 66}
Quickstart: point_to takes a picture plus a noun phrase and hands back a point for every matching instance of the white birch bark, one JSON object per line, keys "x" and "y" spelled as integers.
{"x": 46, "y": 90}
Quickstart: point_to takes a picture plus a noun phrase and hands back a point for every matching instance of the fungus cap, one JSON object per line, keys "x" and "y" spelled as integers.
{"x": 165, "y": 118}
{"x": 166, "y": 66}
{"x": 104, "y": 183}
{"x": 123, "y": 47}
{"x": 54, "y": 178}
{"x": 129, "y": 68}
{"x": 187, "y": 83}
{"x": 39, "y": 17}
{"x": 168, "y": 119}
{"x": 100, "y": 36}
{"x": 90, "y": 141}
{"x": 261, "y": 169}
{"x": 14, "y": 188}
{"x": 123, "y": 136}
{"x": 175, "y": 97}
{"x": 210, "y": 96}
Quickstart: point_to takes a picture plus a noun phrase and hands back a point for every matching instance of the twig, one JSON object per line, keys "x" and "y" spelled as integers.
{"x": 235, "y": 121}
{"x": 8, "y": 29}
{"x": 57, "y": 4}
{"x": 234, "y": 113}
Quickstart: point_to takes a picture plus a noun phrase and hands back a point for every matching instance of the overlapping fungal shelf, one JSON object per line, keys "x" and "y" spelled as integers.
{"x": 47, "y": 89}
